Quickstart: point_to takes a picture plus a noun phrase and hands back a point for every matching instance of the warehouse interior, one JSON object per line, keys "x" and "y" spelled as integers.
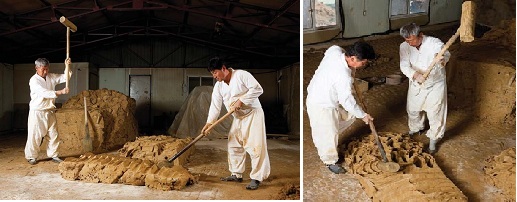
{"x": 475, "y": 160}
{"x": 137, "y": 65}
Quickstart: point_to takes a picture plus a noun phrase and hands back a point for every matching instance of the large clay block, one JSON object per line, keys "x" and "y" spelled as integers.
{"x": 169, "y": 178}
{"x": 111, "y": 169}
{"x": 137, "y": 171}
{"x": 419, "y": 179}
{"x": 72, "y": 135}
{"x": 117, "y": 112}
{"x": 157, "y": 149}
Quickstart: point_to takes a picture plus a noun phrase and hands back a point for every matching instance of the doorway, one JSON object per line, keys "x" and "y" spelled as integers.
{"x": 140, "y": 90}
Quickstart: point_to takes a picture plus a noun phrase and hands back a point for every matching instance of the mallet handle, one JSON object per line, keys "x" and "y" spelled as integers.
{"x": 200, "y": 136}
{"x": 67, "y": 66}
{"x": 447, "y": 45}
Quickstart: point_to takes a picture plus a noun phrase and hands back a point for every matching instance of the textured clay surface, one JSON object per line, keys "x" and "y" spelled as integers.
{"x": 419, "y": 177}
{"x": 500, "y": 171}
{"x": 111, "y": 114}
{"x": 157, "y": 149}
{"x": 112, "y": 169}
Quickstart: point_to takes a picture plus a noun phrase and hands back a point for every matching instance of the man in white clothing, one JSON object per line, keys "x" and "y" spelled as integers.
{"x": 42, "y": 120}
{"x": 330, "y": 87}
{"x": 424, "y": 95}
{"x": 238, "y": 89}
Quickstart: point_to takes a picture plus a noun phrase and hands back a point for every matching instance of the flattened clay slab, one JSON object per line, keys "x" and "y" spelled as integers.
{"x": 419, "y": 179}
{"x": 112, "y": 169}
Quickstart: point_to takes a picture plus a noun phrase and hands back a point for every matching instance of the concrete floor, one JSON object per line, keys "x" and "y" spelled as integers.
{"x": 21, "y": 181}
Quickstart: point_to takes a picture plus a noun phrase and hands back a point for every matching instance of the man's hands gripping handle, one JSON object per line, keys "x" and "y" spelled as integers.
{"x": 208, "y": 126}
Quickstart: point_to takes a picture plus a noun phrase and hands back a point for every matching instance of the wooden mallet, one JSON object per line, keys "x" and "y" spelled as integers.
{"x": 465, "y": 31}
{"x": 69, "y": 26}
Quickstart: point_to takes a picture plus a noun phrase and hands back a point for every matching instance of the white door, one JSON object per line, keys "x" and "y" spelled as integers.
{"x": 140, "y": 90}
{"x": 365, "y": 17}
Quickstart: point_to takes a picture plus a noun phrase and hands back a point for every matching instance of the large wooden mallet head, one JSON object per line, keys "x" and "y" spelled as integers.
{"x": 468, "y": 21}
{"x": 68, "y": 24}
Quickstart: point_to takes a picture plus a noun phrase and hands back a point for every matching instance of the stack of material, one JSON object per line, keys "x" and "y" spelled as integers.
{"x": 111, "y": 121}
{"x": 157, "y": 149}
{"x": 112, "y": 169}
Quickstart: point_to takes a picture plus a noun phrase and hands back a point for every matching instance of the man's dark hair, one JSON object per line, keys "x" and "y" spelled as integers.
{"x": 215, "y": 63}
{"x": 361, "y": 50}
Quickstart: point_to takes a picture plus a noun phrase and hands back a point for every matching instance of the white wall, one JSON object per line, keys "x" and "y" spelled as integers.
{"x": 6, "y": 97}
{"x": 375, "y": 18}
{"x": 169, "y": 85}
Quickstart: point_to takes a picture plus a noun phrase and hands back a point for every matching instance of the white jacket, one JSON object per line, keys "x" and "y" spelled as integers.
{"x": 332, "y": 83}
{"x": 242, "y": 86}
{"x": 43, "y": 94}
{"x": 412, "y": 60}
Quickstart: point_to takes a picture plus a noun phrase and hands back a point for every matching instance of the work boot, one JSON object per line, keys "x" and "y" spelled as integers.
{"x": 411, "y": 133}
{"x": 231, "y": 178}
{"x": 56, "y": 160}
{"x": 32, "y": 161}
{"x": 335, "y": 168}
{"x": 254, "y": 184}
{"x": 432, "y": 146}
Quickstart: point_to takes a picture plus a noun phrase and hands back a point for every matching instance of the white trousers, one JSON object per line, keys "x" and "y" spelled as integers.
{"x": 432, "y": 100}
{"x": 41, "y": 123}
{"x": 249, "y": 135}
{"x": 326, "y": 125}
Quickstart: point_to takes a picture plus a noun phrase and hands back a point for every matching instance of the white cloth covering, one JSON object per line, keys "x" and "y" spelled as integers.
{"x": 248, "y": 130}
{"x": 431, "y": 96}
{"x": 42, "y": 120}
{"x": 330, "y": 87}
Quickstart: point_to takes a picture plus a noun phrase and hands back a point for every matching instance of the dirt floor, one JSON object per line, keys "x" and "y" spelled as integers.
{"x": 473, "y": 134}
{"x": 209, "y": 162}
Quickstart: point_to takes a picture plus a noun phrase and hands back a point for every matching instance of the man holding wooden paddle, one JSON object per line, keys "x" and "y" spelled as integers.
{"x": 238, "y": 90}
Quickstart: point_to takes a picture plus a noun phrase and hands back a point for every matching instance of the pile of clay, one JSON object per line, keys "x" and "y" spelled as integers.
{"x": 500, "y": 171}
{"x": 112, "y": 169}
{"x": 288, "y": 192}
{"x": 111, "y": 122}
{"x": 157, "y": 149}
{"x": 419, "y": 178}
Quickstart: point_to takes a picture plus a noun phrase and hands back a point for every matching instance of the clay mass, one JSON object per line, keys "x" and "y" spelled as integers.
{"x": 111, "y": 122}
{"x": 500, "y": 171}
{"x": 157, "y": 149}
{"x": 112, "y": 169}
{"x": 419, "y": 176}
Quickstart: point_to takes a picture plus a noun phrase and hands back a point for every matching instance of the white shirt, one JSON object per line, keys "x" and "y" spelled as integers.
{"x": 242, "y": 86}
{"x": 43, "y": 94}
{"x": 332, "y": 83}
{"x": 412, "y": 59}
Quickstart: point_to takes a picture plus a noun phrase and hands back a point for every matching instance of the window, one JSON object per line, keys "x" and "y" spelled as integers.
{"x": 319, "y": 14}
{"x": 194, "y": 81}
{"x": 400, "y": 8}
